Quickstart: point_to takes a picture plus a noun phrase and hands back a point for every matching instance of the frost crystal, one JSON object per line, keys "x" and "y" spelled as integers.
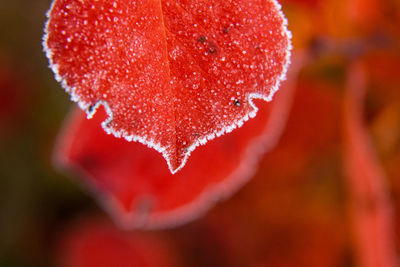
{"x": 167, "y": 71}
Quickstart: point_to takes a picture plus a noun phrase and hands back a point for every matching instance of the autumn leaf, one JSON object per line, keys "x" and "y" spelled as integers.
{"x": 371, "y": 206}
{"x": 170, "y": 74}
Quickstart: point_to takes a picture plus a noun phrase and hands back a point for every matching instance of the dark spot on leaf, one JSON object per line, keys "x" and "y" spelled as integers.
{"x": 202, "y": 39}
{"x": 237, "y": 103}
{"x": 225, "y": 30}
{"x": 91, "y": 108}
{"x": 108, "y": 124}
{"x": 196, "y": 135}
{"x": 212, "y": 49}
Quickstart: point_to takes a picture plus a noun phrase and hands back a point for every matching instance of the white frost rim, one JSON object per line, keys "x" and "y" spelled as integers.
{"x": 149, "y": 142}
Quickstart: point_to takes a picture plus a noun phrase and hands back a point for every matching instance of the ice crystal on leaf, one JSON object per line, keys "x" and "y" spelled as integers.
{"x": 170, "y": 74}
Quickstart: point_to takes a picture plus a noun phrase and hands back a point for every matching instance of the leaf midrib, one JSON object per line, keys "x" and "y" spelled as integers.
{"x": 173, "y": 93}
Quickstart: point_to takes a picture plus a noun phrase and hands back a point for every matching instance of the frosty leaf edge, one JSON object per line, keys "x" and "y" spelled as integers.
{"x": 174, "y": 164}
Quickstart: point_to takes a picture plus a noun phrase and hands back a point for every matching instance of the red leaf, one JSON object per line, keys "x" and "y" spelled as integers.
{"x": 371, "y": 206}
{"x": 171, "y": 74}
{"x": 129, "y": 181}
{"x": 96, "y": 244}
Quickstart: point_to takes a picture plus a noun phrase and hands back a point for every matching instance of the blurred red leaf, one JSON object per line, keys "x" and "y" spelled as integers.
{"x": 170, "y": 74}
{"x": 370, "y": 203}
{"x": 96, "y": 243}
